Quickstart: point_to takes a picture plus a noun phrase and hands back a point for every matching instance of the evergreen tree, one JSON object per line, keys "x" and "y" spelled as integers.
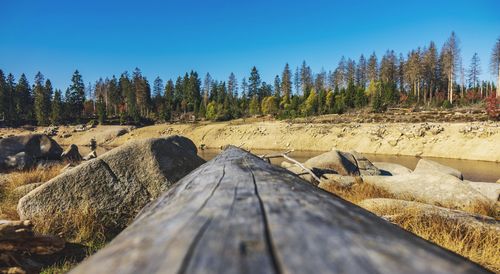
{"x": 41, "y": 108}
{"x": 372, "y": 69}
{"x": 24, "y": 100}
{"x": 101, "y": 110}
{"x": 310, "y": 104}
{"x": 474, "y": 71}
{"x": 254, "y": 107}
{"x": 169, "y": 99}
{"x": 277, "y": 87}
{"x": 10, "y": 99}
{"x": 76, "y": 97}
{"x": 57, "y": 108}
{"x": 254, "y": 84}
{"x": 3, "y": 96}
{"x": 115, "y": 97}
{"x": 158, "y": 102}
{"x": 286, "y": 86}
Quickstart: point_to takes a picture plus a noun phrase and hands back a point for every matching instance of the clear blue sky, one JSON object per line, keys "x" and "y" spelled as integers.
{"x": 167, "y": 38}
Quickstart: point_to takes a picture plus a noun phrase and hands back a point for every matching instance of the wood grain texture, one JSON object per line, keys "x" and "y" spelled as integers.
{"x": 239, "y": 214}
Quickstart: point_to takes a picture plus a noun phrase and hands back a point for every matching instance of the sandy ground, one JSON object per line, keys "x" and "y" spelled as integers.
{"x": 465, "y": 140}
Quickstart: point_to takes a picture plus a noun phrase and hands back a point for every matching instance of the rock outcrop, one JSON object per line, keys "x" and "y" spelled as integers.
{"x": 431, "y": 187}
{"x": 424, "y": 166}
{"x": 117, "y": 184}
{"x": 391, "y": 168}
{"x": 341, "y": 163}
{"x": 489, "y": 190}
{"x": 24, "y": 150}
{"x": 364, "y": 165}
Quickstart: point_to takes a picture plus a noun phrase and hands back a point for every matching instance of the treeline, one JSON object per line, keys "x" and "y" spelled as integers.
{"x": 424, "y": 76}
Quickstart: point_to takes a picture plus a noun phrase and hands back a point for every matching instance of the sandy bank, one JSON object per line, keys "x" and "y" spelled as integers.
{"x": 471, "y": 140}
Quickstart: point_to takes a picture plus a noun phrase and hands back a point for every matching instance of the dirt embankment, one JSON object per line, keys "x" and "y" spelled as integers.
{"x": 479, "y": 140}
{"x": 471, "y": 140}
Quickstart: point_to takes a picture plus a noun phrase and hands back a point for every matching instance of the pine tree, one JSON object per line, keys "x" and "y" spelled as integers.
{"x": 306, "y": 79}
{"x": 76, "y": 98}
{"x": 114, "y": 94}
{"x": 286, "y": 87}
{"x": 372, "y": 68}
{"x": 101, "y": 110}
{"x": 254, "y": 83}
{"x": 158, "y": 102}
{"x": 277, "y": 87}
{"x": 254, "y": 107}
{"x": 41, "y": 107}
{"x": 3, "y": 96}
{"x": 474, "y": 71}
{"x": 24, "y": 100}
{"x": 56, "y": 112}
{"x": 169, "y": 100}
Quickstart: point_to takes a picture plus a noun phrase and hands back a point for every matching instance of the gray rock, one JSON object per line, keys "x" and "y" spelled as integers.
{"x": 342, "y": 163}
{"x": 425, "y": 165}
{"x": 35, "y": 146}
{"x": 71, "y": 154}
{"x": 90, "y": 156}
{"x": 390, "y": 209}
{"x": 391, "y": 168}
{"x": 20, "y": 161}
{"x": 117, "y": 184}
{"x": 364, "y": 165}
{"x": 489, "y": 190}
{"x": 432, "y": 187}
{"x": 21, "y": 191}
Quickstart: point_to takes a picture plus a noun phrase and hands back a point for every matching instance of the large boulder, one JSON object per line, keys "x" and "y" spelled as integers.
{"x": 33, "y": 147}
{"x": 489, "y": 190}
{"x": 424, "y": 165}
{"x": 433, "y": 187}
{"x": 115, "y": 185}
{"x": 392, "y": 209}
{"x": 391, "y": 168}
{"x": 336, "y": 161}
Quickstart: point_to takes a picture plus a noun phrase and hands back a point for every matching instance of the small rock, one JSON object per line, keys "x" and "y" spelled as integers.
{"x": 90, "y": 156}
{"x": 72, "y": 154}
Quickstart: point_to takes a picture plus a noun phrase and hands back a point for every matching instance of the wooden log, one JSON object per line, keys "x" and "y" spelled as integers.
{"x": 239, "y": 214}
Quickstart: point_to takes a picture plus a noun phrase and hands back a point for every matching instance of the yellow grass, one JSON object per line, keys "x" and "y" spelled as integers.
{"x": 77, "y": 225}
{"x": 8, "y": 199}
{"x": 480, "y": 245}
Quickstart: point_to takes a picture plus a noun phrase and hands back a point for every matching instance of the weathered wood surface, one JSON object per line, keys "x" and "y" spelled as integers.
{"x": 239, "y": 214}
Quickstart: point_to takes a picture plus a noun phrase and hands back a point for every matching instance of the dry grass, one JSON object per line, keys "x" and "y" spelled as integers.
{"x": 480, "y": 245}
{"x": 77, "y": 225}
{"x": 358, "y": 192}
{"x": 9, "y": 199}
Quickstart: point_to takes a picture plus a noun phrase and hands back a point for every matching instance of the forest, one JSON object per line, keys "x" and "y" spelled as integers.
{"x": 427, "y": 77}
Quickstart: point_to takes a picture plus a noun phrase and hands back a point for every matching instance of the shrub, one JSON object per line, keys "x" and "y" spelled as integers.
{"x": 492, "y": 107}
